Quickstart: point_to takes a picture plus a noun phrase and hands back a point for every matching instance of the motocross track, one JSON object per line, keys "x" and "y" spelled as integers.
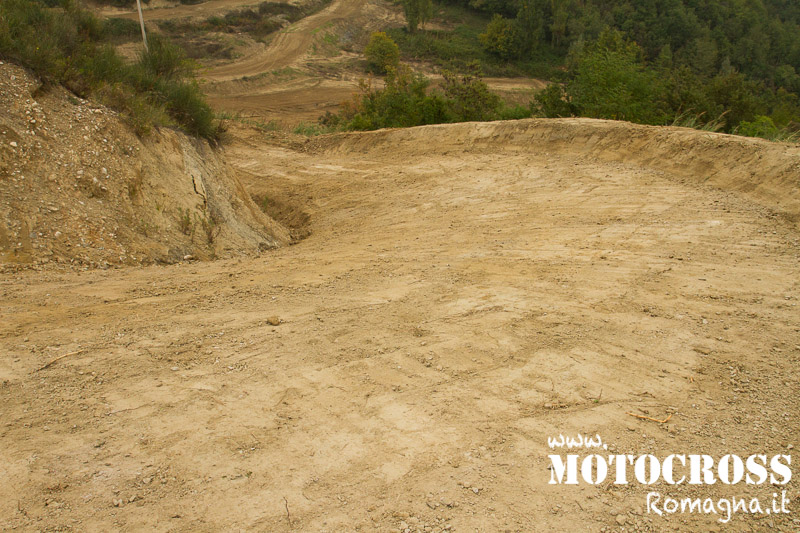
{"x": 291, "y": 43}
{"x": 464, "y": 292}
{"x": 238, "y": 87}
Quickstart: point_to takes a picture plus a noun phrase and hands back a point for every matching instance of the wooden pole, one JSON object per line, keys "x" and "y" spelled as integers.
{"x": 141, "y": 23}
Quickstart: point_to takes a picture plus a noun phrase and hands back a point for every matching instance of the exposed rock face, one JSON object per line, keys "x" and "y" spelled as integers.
{"x": 78, "y": 187}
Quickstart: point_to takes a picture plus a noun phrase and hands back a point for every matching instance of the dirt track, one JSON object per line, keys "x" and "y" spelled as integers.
{"x": 466, "y": 292}
{"x": 204, "y": 9}
{"x": 239, "y": 86}
{"x": 290, "y": 44}
{"x": 457, "y": 303}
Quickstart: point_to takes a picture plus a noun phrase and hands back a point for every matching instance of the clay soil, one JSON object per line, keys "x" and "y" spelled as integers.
{"x": 457, "y": 294}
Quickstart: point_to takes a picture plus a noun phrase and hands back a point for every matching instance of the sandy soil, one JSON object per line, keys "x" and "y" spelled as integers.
{"x": 455, "y": 305}
{"x": 464, "y": 292}
{"x": 293, "y": 42}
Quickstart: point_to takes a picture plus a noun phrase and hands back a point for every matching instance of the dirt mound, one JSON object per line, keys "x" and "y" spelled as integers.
{"x": 765, "y": 172}
{"x": 78, "y": 187}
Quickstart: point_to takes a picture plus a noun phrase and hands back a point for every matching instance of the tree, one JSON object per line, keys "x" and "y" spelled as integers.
{"x": 551, "y": 102}
{"x": 468, "y": 96}
{"x": 530, "y": 24}
{"x": 610, "y": 81}
{"x": 737, "y": 95}
{"x": 558, "y": 27}
{"x": 501, "y": 37}
{"x": 403, "y": 102}
{"x": 382, "y": 53}
{"x": 418, "y": 12}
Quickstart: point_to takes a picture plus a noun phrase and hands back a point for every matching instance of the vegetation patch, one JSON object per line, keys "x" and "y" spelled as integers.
{"x": 455, "y": 49}
{"x": 258, "y": 22}
{"x": 119, "y": 30}
{"x": 610, "y": 78}
{"x": 721, "y": 64}
{"x": 408, "y": 100}
{"x": 67, "y": 45}
{"x": 382, "y": 53}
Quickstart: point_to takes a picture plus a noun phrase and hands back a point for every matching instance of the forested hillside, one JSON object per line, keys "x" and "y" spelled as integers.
{"x": 760, "y": 38}
{"x": 727, "y": 64}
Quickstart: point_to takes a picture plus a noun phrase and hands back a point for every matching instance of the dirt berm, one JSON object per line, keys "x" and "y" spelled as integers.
{"x": 765, "y": 172}
{"x": 78, "y": 187}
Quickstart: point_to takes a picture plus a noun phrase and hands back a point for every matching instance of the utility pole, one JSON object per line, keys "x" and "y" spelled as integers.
{"x": 141, "y": 23}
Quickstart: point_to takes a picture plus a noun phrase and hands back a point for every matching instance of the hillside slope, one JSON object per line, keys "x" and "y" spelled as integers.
{"x": 78, "y": 187}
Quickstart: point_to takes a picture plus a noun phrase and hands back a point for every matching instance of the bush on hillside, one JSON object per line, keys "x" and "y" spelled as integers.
{"x": 501, "y": 38}
{"x": 382, "y": 53}
{"x": 468, "y": 96}
{"x": 551, "y": 102}
{"x": 67, "y": 45}
{"x": 611, "y": 82}
{"x": 407, "y": 101}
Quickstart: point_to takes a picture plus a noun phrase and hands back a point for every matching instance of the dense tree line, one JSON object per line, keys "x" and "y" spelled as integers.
{"x": 732, "y": 63}
{"x": 760, "y": 38}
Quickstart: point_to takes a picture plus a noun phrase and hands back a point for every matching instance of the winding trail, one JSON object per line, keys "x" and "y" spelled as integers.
{"x": 289, "y": 46}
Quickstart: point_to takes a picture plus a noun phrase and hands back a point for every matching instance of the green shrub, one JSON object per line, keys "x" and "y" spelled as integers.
{"x": 185, "y": 103}
{"x": 163, "y": 59}
{"x": 551, "y": 102}
{"x": 137, "y": 111}
{"x": 765, "y": 128}
{"x": 35, "y": 38}
{"x": 121, "y": 29}
{"x": 516, "y": 112}
{"x": 501, "y": 38}
{"x": 407, "y": 101}
{"x": 611, "y": 82}
{"x": 382, "y": 53}
{"x": 468, "y": 96}
{"x": 67, "y": 45}
{"x": 401, "y": 103}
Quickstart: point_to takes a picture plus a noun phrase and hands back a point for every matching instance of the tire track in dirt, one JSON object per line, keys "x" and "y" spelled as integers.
{"x": 289, "y": 45}
{"x": 468, "y": 290}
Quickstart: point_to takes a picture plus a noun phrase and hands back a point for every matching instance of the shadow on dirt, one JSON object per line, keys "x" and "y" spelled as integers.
{"x": 288, "y": 209}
